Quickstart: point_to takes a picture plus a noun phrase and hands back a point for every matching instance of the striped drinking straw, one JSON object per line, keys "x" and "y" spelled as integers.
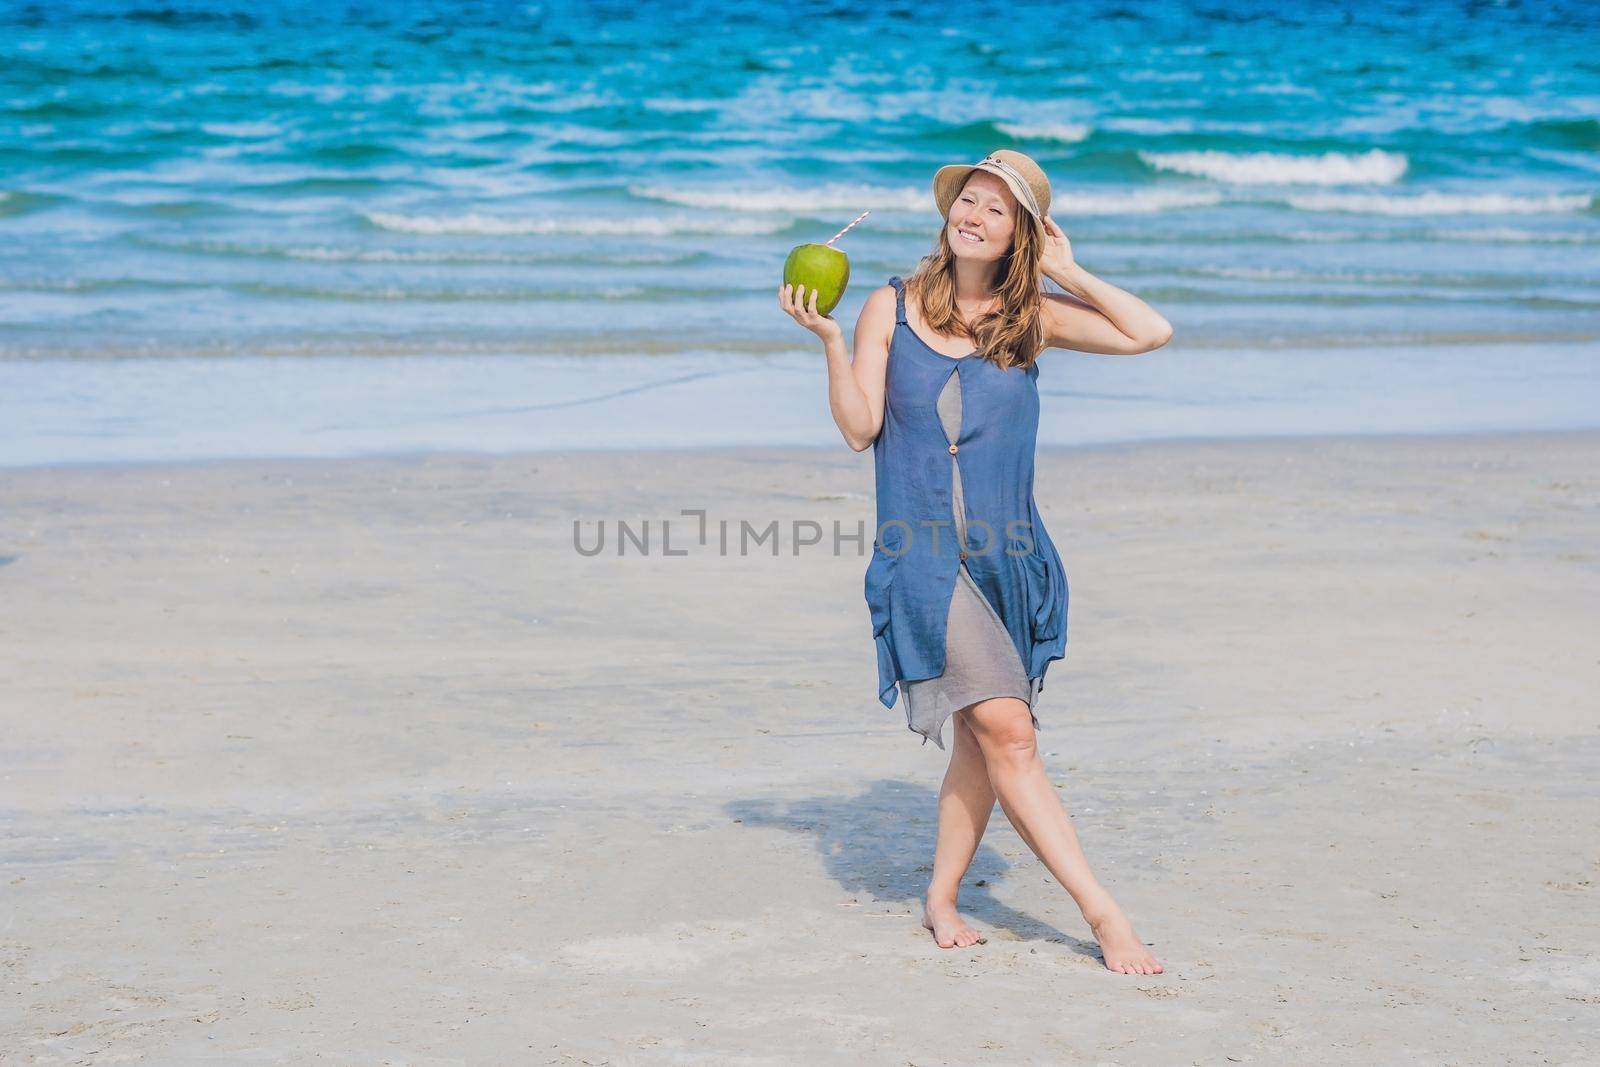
{"x": 846, "y": 230}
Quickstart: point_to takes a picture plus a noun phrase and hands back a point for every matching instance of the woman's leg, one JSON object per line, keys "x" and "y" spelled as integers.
{"x": 965, "y": 802}
{"x": 1005, "y": 736}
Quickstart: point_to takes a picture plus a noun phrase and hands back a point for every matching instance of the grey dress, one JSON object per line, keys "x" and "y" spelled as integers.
{"x": 981, "y": 661}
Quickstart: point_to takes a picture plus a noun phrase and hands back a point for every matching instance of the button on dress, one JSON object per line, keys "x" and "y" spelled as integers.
{"x": 966, "y": 591}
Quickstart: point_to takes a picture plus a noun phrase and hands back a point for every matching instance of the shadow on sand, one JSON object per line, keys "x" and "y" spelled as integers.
{"x": 878, "y": 845}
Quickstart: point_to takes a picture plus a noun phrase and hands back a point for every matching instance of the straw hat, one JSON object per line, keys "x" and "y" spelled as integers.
{"x": 1026, "y": 181}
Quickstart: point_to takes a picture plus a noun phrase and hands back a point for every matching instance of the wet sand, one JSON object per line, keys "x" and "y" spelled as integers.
{"x": 360, "y": 761}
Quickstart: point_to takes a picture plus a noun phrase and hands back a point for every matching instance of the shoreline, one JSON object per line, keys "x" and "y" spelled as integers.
{"x": 735, "y": 450}
{"x": 57, "y": 413}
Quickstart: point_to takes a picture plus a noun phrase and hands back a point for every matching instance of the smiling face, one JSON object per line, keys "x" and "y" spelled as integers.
{"x": 986, "y": 209}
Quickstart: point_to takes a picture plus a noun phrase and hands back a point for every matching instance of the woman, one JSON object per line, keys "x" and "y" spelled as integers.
{"x": 945, "y": 363}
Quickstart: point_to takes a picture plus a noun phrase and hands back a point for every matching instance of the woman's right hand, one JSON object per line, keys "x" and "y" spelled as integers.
{"x": 802, "y": 307}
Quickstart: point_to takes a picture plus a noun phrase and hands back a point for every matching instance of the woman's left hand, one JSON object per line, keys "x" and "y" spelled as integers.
{"x": 1057, "y": 255}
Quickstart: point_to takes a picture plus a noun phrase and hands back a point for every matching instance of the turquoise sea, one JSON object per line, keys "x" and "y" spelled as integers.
{"x": 334, "y": 228}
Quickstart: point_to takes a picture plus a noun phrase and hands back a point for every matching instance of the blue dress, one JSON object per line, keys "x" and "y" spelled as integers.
{"x": 980, "y": 660}
{"x": 966, "y": 592}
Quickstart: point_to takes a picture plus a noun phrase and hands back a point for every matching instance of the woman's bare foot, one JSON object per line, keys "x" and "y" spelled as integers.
{"x": 1121, "y": 947}
{"x": 950, "y": 930}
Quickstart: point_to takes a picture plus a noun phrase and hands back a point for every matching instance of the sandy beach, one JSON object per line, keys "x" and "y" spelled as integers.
{"x": 360, "y": 761}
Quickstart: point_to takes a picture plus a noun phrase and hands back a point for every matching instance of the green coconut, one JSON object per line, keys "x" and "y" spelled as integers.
{"x": 820, "y": 267}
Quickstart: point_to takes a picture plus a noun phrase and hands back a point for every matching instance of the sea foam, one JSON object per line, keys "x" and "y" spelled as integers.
{"x": 1066, "y": 132}
{"x": 830, "y": 197}
{"x": 493, "y": 225}
{"x": 1250, "y": 168}
{"x": 1435, "y": 203}
{"x": 1129, "y": 201}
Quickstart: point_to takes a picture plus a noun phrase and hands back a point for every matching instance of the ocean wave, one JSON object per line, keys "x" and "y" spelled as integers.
{"x": 1364, "y": 339}
{"x": 1579, "y": 133}
{"x": 336, "y": 254}
{"x": 827, "y": 197}
{"x": 313, "y": 185}
{"x": 93, "y": 285}
{"x": 1437, "y": 301}
{"x": 1066, "y": 132}
{"x": 235, "y": 131}
{"x": 370, "y": 293}
{"x": 1146, "y": 126}
{"x": 1065, "y": 202}
{"x": 160, "y": 209}
{"x": 1297, "y": 274}
{"x": 1444, "y": 279}
{"x": 626, "y": 343}
{"x": 1436, "y": 203}
{"x": 499, "y": 226}
{"x": 1510, "y": 235}
{"x": 395, "y": 255}
{"x": 391, "y": 293}
{"x": 1487, "y": 234}
{"x": 570, "y": 102}
{"x": 672, "y": 107}
{"x": 1250, "y": 168}
{"x": 1130, "y": 201}
{"x": 633, "y": 344}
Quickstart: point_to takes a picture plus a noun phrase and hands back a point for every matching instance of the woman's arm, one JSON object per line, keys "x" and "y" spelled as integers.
{"x": 855, "y": 388}
{"x": 1103, "y": 318}
{"x": 1114, "y": 322}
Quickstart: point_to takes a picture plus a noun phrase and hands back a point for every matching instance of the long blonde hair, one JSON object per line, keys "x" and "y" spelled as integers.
{"x": 1011, "y": 336}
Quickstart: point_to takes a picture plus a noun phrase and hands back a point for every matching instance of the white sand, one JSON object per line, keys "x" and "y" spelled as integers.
{"x": 359, "y": 762}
